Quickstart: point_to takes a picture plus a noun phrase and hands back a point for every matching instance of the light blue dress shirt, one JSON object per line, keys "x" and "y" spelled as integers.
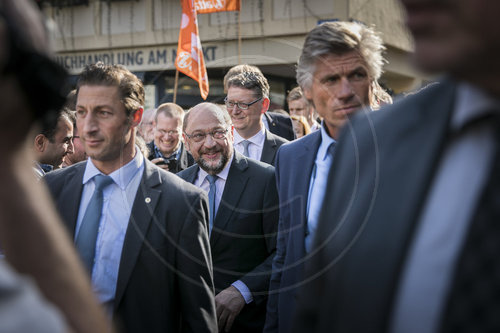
{"x": 317, "y": 185}
{"x": 117, "y": 207}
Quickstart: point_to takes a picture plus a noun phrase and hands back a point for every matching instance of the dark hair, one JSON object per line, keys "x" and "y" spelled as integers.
{"x": 251, "y": 80}
{"x": 129, "y": 86}
{"x": 50, "y": 131}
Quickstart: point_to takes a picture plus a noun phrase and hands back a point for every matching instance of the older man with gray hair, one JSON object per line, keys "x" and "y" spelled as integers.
{"x": 338, "y": 72}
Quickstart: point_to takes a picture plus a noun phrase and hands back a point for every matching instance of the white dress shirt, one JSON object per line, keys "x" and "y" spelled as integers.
{"x": 256, "y": 144}
{"x": 118, "y": 199}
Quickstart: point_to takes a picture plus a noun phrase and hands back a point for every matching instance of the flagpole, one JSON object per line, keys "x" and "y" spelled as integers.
{"x": 175, "y": 84}
{"x": 239, "y": 38}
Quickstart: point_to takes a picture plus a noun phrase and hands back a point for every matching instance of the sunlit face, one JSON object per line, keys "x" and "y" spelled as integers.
{"x": 212, "y": 155}
{"x": 246, "y": 121}
{"x": 78, "y": 154}
{"x": 105, "y": 129}
{"x": 340, "y": 86}
{"x": 299, "y": 107}
{"x": 459, "y": 36}
{"x": 61, "y": 145}
{"x": 167, "y": 134}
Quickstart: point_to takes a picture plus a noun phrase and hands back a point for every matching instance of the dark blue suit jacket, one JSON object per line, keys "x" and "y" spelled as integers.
{"x": 294, "y": 164}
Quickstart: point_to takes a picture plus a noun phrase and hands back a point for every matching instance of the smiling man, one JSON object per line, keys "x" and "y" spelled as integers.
{"x": 247, "y": 99}
{"x": 243, "y": 217}
{"x": 140, "y": 231}
{"x": 167, "y": 149}
{"x": 337, "y": 71}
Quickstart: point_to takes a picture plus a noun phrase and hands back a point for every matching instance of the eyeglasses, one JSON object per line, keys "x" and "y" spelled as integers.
{"x": 241, "y": 105}
{"x": 171, "y": 133}
{"x": 200, "y": 136}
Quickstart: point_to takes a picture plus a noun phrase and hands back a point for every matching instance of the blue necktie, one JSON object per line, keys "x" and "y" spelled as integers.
{"x": 211, "y": 199}
{"x": 87, "y": 236}
{"x": 245, "y": 144}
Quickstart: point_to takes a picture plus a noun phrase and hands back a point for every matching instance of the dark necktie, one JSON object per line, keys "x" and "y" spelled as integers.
{"x": 474, "y": 299}
{"x": 87, "y": 236}
{"x": 245, "y": 144}
{"x": 211, "y": 199}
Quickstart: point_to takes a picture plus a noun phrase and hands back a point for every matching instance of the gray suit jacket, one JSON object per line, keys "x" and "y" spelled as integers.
{"x": 165, "y": 279}
{"x": 271, "y": 145}
{"x": 243, "y": 238}
{"x": 382, "y": 170}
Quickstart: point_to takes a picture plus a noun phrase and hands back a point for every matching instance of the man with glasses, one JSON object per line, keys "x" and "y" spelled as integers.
{"x": 247, "y": 99}
{"x": 167, "y": 150}
{"x": 243, "y": 217}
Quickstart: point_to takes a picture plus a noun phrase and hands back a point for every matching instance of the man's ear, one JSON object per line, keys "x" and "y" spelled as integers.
{"x": 265, "y": 104}
{"x": 137, "y": 117}
{"x": 41, "y": 143}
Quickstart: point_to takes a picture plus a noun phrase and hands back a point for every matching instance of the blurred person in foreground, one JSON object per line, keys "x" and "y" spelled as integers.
{"x": 38, "y": 253}
{"x": 408, "y": 238}
{"x": 338, "y": 71}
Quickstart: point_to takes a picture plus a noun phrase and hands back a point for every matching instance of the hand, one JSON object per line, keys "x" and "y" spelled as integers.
{"x": 229, "y": 303}
{"x": 161, "y": 162}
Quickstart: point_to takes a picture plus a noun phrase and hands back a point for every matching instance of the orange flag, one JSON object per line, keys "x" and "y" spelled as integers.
{"x": 212, "y": 6}
{"x": 189, "y": 58}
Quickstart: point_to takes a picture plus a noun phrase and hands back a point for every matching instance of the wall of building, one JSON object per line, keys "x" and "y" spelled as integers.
{"x": 143, "y": 35}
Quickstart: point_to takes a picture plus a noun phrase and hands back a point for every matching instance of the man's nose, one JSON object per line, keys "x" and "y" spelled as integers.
{"x": 71, "y": 147}
{"x": 209, "y": 141}
{"x": 345, "y": 90}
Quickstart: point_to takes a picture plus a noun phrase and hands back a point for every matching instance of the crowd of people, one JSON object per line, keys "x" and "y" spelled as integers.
{"x": 234, "y": 218}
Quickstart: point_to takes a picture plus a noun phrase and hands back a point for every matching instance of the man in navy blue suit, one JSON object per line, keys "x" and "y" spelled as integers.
{"x": 338, "y": 71}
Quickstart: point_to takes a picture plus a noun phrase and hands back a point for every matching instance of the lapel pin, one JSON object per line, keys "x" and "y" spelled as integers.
{"x": 148, "y": 200}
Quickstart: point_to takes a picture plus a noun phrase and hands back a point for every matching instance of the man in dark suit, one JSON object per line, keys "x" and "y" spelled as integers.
{"x": 247, "y": 99}
{"x": 276, "y": 123}
{"x": 167, "y": 149}
{"x": 141, "y": 231}
{"x": 337, "y": 80}
{"x": 408, "y": 239}
{"x": 244, "y": 217}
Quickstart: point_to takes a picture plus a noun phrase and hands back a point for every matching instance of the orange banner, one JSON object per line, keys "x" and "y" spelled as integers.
{"x": 212, "y": 6}
{"x": 189, "y": 58}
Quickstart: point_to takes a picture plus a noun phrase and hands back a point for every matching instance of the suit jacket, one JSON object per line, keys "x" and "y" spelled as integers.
{"x": 382, "y": 170}
{"x": 280, "y": 124}
{"x": 185, "y": 158}
{"x": 165, "y": 281}
{"x": 243, "y": 238}
{"x": 271, "y": 144}
{"x": 294, "y": 165}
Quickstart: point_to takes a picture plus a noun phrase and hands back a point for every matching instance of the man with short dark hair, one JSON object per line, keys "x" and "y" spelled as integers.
{"x": 78, "y": 153}
{"x": 53, "y": 144}
{"x": 298, "y": 105}
{"x": 243, "y": 217}
{"x": 141, "y": 231}
{"x": 337, "y": 70}
{"x": 247, "y": 99}
{"x": 167, "y": 148}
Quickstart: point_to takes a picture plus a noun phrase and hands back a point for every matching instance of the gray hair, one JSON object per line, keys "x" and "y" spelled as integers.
{"x": 339, "y": 38}
{"x": 221, "y": 114}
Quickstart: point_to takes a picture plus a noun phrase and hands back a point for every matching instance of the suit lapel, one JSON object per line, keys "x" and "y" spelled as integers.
{"x": 142, "y": 213}
{"x": 235, "y": 185}
{"x": 269, "y": 149}
{"x": 69, "y": 200}
{"x": 304, "y": 162}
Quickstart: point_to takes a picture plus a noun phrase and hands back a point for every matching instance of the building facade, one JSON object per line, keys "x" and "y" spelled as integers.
{"x": 143, "y": 35}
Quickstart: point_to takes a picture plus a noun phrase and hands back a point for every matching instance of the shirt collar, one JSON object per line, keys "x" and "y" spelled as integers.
{"x": 202, "y": 174}
{"x": 471, "y": 103}
{"x": 175, "y": 153}
{"x": 258, "y": 139}
{"x": 326, "y": 141}
{"x": 122, "y": 176}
